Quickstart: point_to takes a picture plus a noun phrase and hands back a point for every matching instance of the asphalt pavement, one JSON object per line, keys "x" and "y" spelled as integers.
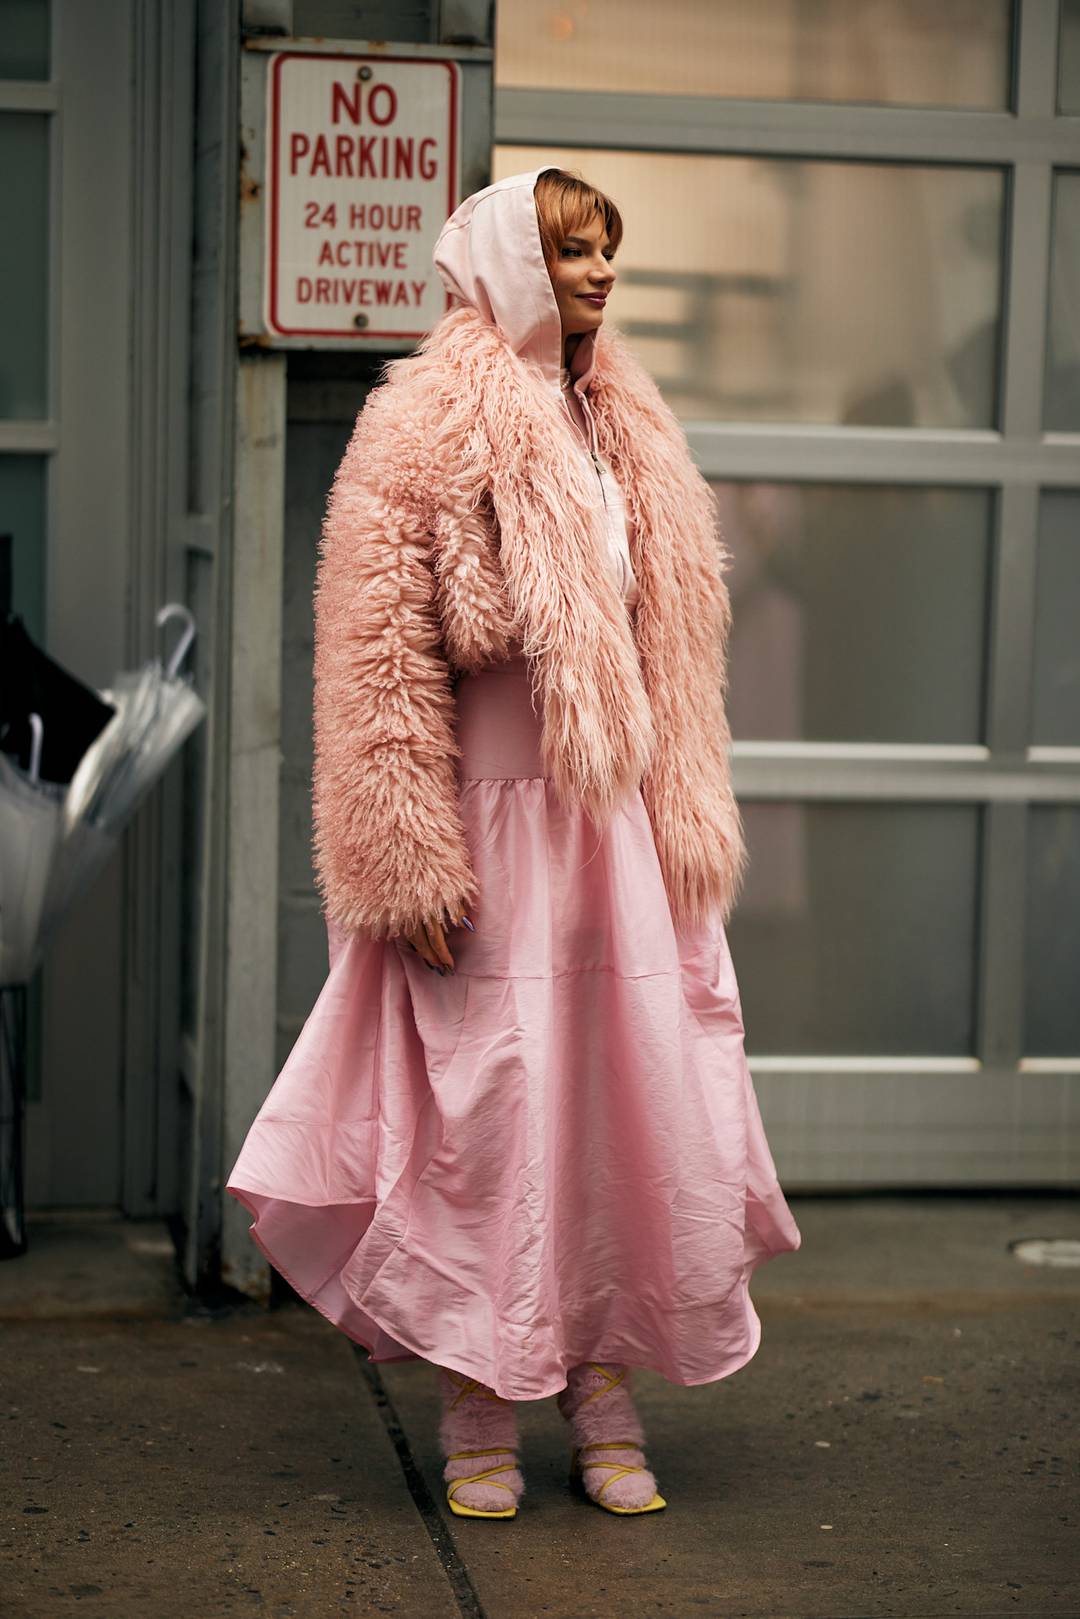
{"x": 904, "y": 1443}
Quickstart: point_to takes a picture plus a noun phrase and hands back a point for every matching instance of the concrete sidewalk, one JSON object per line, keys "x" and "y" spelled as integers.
{"x": 904, "y": 1443}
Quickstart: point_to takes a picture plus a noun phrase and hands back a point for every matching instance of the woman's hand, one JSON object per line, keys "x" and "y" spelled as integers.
{"x": 429, "y": 941}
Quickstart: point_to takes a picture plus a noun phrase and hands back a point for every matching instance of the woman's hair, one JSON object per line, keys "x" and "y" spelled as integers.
{"x": 565, "y": 202}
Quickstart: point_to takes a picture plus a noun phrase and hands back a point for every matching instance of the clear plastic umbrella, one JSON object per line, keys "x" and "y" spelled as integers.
{"x": 55, "y": 836}
{"x": 157, "y": 709}
{"x": 30, "y": 835}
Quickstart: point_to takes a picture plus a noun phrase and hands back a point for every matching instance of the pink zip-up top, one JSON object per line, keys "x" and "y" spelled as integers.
{"x": 490, "y": 257}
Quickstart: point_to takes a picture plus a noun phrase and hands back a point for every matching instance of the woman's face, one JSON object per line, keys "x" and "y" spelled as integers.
{"x": 582, "y": 277}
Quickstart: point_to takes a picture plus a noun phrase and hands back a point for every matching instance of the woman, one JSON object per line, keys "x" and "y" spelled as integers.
{"x": 534, "y": 1159}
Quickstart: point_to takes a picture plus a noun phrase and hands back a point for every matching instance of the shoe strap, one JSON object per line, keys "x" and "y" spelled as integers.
{"x": 492, "y": 1450}
{"x": 481, "y": 1478}
{"x": 471, "y": 1385}
{"x": 612, "y": 1444}
{"x": 613, "y": 1478}
{"x": 613, "y": 1381}
{"x": 617, "y": 1470}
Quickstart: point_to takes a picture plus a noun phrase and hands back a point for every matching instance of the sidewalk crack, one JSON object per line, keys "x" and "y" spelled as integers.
{"x": 442, "y": 1541}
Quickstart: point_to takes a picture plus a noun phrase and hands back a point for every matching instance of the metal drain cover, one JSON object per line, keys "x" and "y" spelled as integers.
{"x": 1046, "y": 1250}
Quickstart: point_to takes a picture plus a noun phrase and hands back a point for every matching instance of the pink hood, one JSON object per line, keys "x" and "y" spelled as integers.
{"x": 489, "y": 257}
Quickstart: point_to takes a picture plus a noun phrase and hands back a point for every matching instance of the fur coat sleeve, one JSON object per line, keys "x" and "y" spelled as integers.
{"x": 389, "y": 844}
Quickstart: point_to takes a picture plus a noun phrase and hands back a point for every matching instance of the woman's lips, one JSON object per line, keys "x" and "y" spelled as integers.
{"x": 597, "y": 298}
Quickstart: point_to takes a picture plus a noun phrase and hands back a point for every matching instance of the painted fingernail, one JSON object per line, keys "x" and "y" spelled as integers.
{"x": 468, "y": 924}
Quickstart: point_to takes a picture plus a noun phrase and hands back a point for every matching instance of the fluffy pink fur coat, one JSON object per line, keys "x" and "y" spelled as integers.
{"x": 462, "y": 526}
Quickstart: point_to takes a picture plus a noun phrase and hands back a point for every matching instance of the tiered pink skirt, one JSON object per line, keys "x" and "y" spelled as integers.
{"x": 554, "y": 1154}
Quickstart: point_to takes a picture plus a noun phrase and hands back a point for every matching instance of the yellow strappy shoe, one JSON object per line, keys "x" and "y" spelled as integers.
{"x": 487, "y": 1477}
{"x": 472, "y": 1385}
{"x": 619, "y": 1469}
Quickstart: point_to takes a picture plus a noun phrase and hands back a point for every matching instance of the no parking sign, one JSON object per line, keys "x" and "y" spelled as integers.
{"x": 362, "y": 171}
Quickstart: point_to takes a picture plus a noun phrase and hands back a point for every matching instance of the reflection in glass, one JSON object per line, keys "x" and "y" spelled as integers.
{"x": 1061, "y": 400}
{"x": 24, "y": 279}
{"x": 22, "y": 515}
{"x": 24, "y": 39}
{"x": 879, "y": 52}
{"x": 1052, "y": 958}
{"x": 772, "y": 289}
{"x": 855, "y": 934}
{"x": 860, "y": 612}
{"x": 1069, "y": 58}
{"x": 1055, "y": 716}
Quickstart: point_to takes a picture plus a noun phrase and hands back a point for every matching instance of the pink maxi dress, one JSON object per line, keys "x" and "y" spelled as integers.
{"x": 554, "y": 1154}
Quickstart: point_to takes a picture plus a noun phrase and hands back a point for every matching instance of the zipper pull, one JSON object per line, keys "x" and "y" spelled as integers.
{"x": 599, "y": 474}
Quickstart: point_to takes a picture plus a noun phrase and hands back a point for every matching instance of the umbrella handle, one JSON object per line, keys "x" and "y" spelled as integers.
{"x": 177, "y": 610}
{"x": 37, "y": 734}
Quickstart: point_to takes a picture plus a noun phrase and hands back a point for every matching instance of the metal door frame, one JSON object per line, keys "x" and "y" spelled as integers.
{"x": 1029, "y": 142}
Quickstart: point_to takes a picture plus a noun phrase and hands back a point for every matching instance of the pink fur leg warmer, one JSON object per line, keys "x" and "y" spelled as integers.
{"x": 597, "y": 1404}
{"x": 476, "y": 1419}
